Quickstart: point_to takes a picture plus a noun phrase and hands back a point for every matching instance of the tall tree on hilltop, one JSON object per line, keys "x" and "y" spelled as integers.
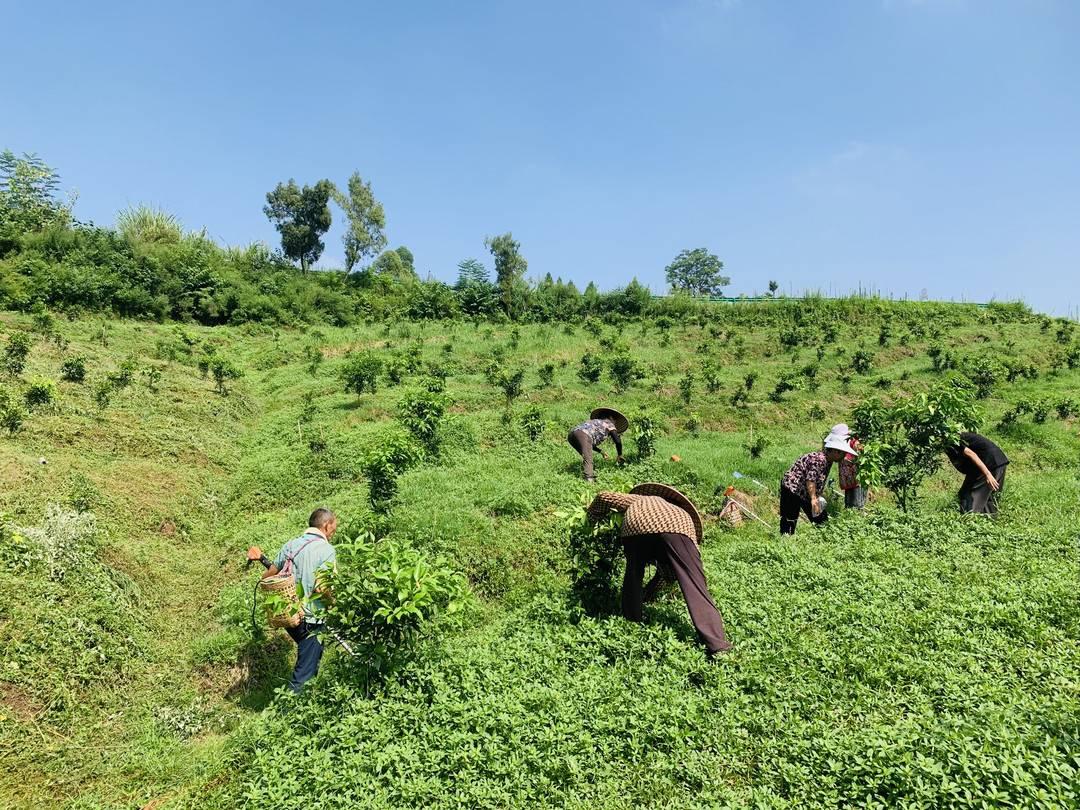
{"x": 364, "y": 236}
{"x": 510, "y": 268}
{"x": 301, "y": 216}
{"x": 406, "y": 259}
{"x": 478, "y": 296}
{"x": 29, "y": 193}
{"x": 697, "y": 272}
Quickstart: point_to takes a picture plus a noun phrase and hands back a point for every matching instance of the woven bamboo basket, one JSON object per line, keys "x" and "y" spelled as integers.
{"x": 283, "y": 585}
{"x": 730, "y": 512}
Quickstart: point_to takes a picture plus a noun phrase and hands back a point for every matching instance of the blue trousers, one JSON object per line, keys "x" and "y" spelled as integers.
{"x": 308, "y": 653}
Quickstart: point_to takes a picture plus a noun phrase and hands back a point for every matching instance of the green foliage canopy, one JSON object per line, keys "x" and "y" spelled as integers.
{"x": 301, "y": 216}
{"x": 697, "y": 272}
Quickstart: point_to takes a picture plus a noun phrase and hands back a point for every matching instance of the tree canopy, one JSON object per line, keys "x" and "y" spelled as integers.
{"x": 510, "y": 267}
{"x": 301, "y": 216}
{"x": 697, "y": 272}
{"x": 364, "y": 235}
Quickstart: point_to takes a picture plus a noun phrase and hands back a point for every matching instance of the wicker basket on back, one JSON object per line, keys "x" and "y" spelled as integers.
{"x": 283, "y": 586}
{"x": 285, "y": 606}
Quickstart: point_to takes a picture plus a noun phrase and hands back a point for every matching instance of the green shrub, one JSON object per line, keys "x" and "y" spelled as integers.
{"x": 711, "y": 375}
{"x": 905, "y": 440}
{"x": 511, "y": 383}
{"x": 422, "y": 412}
{"x": 546, "y": 374}
{"x": 12, "y": 413}
{"x": 862, "y": 362}
{"x": 16, "y": 352}
{"x": 396, "y": 452}
{"x": 645, "y": 436}
{"x": 624, "y": 372}
{"x": 224, "y": 371}
{"x": 756, "y": 445}
{"x": 82, "y": 495}
{"x": 591, "y": 368}
{"x": 123, "y": 376}
{"x": 785, "y": 384}
{"x": 532, "y": 422}
{"x": 595, "y": 558}
{"x": 361, "y": 373}
{"x": 74, "y": 369}
{"x": 686, "y": 387}
{"x": 40, "y": 394}
{"x": 985, "y": 372}
{"x": 386, "y": 598}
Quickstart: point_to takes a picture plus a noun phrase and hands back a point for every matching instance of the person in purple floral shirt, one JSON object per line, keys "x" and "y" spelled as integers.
{"x": 802, "y": 486}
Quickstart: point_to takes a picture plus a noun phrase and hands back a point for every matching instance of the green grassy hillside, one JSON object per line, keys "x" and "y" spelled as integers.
{"x": 919, "y": 660}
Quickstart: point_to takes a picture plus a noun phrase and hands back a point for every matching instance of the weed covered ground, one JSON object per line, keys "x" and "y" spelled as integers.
{"x": 887, "y": 660}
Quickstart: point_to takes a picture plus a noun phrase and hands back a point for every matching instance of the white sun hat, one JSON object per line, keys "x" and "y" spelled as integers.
{"x": 838, "y": 440}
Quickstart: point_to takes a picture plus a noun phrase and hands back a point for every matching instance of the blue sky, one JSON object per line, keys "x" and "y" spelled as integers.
{"x": 900, "y": 145}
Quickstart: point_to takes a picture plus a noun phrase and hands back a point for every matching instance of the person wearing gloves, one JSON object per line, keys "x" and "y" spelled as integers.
{"x": 983, "y": 464}
{"x": 603, "y": 423}
{"x": 660, "y": 525}
{"x": 802, "y": 486}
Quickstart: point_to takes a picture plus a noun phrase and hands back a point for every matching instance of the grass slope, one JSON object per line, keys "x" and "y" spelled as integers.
{"x": 924, "y": 661}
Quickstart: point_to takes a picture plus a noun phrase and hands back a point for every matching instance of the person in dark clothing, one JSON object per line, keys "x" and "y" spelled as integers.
{"x": 802, "y": 486}
{"x": 603, "y": 423}
{"x": 983, "y": 464}
{"x": 661, "y": 525}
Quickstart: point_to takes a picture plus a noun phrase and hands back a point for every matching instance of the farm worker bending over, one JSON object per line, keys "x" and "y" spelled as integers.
{"x": 661, "y": 525}
{"x": 983, "y": 464}
{"x": 588, "y": 436}
{"x": 803, "y": 484}
{"x": 305, "y": 557}
{"x": 854, "y": 495}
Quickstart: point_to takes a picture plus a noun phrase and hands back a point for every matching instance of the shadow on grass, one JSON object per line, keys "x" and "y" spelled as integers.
{"x": 261, "y": 667}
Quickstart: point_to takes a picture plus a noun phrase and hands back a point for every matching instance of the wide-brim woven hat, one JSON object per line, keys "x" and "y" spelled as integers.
{"x": 673, "y": 496}
{"x": 621, "y": 422}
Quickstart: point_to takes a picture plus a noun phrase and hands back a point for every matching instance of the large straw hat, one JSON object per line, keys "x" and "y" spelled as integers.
{"x": 621, "y": 422}
{"x": 673, "y": 496}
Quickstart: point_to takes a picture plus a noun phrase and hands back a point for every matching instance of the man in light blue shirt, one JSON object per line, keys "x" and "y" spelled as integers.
{"x": 305, "y": 556}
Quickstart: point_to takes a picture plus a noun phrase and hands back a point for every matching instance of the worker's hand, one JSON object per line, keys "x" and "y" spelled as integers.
{"x": 603, "y": 455}
{"x": 815, "y": 507}
{"x": 254, "y": 553}
{"x": 992, "y": 483}
{"x": 620, "y": 460}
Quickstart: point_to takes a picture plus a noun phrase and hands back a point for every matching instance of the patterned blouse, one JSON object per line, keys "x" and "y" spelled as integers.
{"x": 598, "y": 430}
{"x": 811, "y": 467}
{"x": 643, "y": 514}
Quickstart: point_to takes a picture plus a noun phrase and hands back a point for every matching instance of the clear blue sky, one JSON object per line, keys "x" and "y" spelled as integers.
{"x": 899, "y": 144}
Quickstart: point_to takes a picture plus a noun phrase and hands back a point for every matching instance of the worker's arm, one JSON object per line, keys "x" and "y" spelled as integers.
{"x": 989, "y": 476}
{"x": 606, "y": 502}
{"x": 811, "y": 490}
{"x": 615, "y": 437}
{"x": 256, "y": 553}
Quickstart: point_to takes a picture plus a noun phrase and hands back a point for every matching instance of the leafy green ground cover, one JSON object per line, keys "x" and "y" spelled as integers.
{"x": 887, "y": 660}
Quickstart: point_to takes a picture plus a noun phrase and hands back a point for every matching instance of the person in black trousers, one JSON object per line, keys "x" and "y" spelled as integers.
{"x": 983, "y": 464}
{"x": 802, "y": 486}
{"x": 662, "y": 526}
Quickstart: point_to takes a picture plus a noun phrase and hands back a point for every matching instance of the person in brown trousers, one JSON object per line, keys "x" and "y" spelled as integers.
{"x": 660, "y": 525}
{"x": 586, "y": 438}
